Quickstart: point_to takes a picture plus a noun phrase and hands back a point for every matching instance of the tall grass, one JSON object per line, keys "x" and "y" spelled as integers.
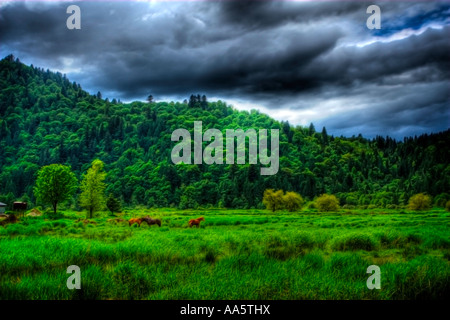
{"x": 244, "y": 255}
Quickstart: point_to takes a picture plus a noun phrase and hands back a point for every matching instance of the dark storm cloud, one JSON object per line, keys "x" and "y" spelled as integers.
{"x": 307, "y": 61}
{"x": 266, "y": 14}
{"x": 377, "y": 61}
{"x": 426, "y": 111}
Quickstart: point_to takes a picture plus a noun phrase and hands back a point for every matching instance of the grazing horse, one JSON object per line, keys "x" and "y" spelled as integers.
{"x": 196, "y": 222}
{"x": 135, "y": 220}
{"x": 151, "y": 221}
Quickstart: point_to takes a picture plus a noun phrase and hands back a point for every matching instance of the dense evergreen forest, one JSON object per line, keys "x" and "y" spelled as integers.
{"x": 45, "y": 119}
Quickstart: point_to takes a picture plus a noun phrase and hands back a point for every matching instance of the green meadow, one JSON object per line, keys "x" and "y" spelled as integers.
{"x": 235, "y": 254}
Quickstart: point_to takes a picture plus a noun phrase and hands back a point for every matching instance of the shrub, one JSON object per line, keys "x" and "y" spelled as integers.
{"x": 327, "y": 202}
{"x": 419, "y": 201}
{"x": 441, "y": 200}
{"x": 292, "y": 201}
{"x": 273, "y": 200}
{"x": 447, "y": 205}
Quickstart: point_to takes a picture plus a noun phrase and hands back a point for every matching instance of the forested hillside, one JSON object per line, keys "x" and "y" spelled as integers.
{"x": 45, "y": 119}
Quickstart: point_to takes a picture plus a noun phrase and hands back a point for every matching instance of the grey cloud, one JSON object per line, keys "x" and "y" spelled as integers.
{"x": 280, "y": 55}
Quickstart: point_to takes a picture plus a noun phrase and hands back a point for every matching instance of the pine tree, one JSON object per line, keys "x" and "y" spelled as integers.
{"x": 311, "y": 129}
{"x": 324, "y": 136}
{"x": 113, "y": 204}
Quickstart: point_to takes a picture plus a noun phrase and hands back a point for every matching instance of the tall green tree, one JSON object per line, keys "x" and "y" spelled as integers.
{"x": 92, "y": 195}
{"x": 55, "y": 183}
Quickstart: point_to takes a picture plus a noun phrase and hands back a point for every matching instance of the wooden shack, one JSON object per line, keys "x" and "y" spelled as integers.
{"x": 2, "y": 207}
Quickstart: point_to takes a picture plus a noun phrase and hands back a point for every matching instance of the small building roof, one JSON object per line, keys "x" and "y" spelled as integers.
{"x": 2, "y": 204}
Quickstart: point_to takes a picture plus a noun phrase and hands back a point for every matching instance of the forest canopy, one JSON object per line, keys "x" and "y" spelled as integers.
{"x": 46, "y": 119}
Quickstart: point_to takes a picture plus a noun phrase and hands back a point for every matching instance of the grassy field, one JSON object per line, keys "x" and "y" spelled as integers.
{"x": 236, "y": 254}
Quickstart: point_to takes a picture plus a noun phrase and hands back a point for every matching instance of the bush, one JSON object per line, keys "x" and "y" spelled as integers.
{"x": 441, "y": 200}
{"x": 447, "y": 205}
{"x": 273, "y": 200}
{"x": 419, "y": 201}
{"x": 327, "y": 202}
{"x": 292, "y": 201}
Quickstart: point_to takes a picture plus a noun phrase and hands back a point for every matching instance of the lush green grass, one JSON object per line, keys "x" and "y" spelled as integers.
{"x": 236, "y": 254}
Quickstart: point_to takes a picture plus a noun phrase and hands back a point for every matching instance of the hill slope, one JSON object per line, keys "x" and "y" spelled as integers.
{"x": 45, "y": 118}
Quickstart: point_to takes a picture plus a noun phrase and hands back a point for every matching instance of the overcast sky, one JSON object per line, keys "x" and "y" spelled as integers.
{"x": 294, "y": 60}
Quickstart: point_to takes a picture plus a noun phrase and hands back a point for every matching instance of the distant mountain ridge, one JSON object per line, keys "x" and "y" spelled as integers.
{"x": 45, "y": 118}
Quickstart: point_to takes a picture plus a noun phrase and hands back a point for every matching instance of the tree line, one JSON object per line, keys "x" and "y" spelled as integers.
{"x": 47, "y": 119}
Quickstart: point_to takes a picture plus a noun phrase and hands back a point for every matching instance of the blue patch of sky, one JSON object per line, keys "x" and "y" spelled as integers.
{"x": 394, "y": 24}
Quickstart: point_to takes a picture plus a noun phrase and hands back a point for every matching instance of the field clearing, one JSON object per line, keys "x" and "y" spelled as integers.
{"x": 236, "y": 254}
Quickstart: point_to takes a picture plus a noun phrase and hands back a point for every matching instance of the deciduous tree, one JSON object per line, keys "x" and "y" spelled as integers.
{"x": 92, "y": 195}
{"x": 55, "y": 183}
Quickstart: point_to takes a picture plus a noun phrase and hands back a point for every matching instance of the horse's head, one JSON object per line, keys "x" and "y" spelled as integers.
{"x": 202, "y": 219}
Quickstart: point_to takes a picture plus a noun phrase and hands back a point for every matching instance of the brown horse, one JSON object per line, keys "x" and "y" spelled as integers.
{"x": 135, "y": 220}
{"x": 151, "y": 221}
{"x": 196, "y": 222}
